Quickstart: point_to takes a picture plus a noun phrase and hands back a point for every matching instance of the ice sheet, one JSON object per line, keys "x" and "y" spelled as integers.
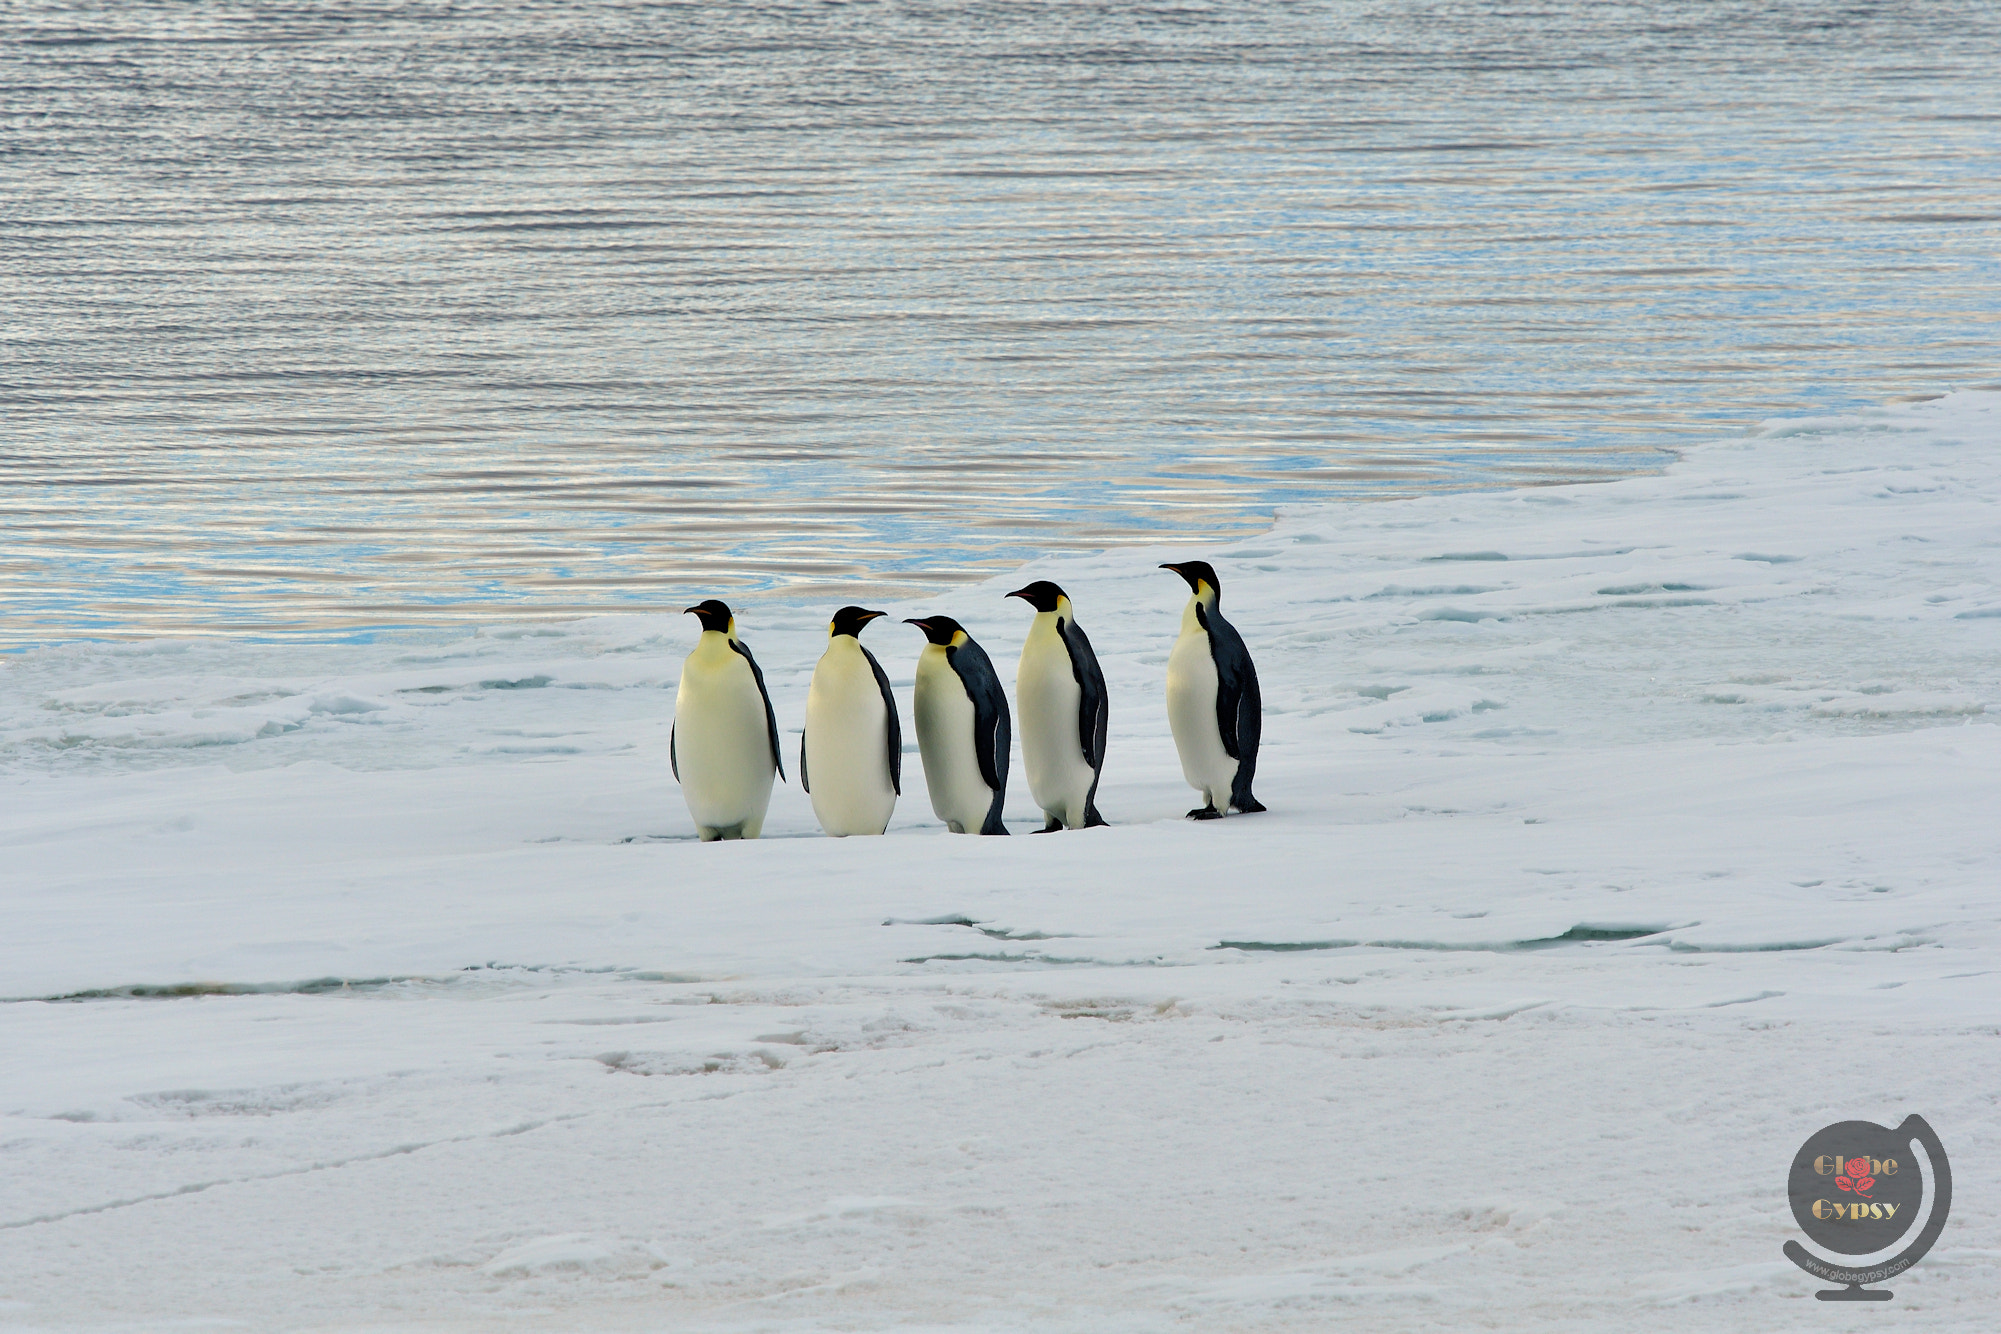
{"x": 1621, "y": 836}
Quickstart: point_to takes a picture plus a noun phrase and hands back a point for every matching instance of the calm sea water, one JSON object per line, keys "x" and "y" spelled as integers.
{"x": 318, "y": 317}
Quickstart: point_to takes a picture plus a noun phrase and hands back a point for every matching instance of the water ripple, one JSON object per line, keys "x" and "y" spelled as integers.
{"x": 318, "y": 318}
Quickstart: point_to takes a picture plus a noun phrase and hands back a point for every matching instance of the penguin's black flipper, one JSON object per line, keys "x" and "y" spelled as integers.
{"x": 805, "y": 784}
{"x": 1003, "y": 743}
{"x": 895, "y": 730}
{"x": 1093, "y": 706}
{"x": 1250, "y": 727}
{"x": 770, "y": 717}
{"x": 673, "y": 755}
{"x": 991, "y": 739}
{"x": 1233, "y": 667}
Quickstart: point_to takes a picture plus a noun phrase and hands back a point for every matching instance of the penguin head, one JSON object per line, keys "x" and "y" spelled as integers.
{"x": 1041, "y": 595}
{"x": 941, "y": 630}
{"x": 715, "y": 616}
{"x": 850, "y": 620}
{"x": 1201, "y": 577}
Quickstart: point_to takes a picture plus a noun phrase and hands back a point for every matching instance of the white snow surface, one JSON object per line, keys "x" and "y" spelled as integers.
{"x": 1621, "y": 836}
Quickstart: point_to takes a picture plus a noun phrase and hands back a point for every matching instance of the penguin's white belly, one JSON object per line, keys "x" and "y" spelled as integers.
{"x": 722, "y": 742}
{"x": 1191, "y": 714}
{"x": 944, "y": 716}
{"x": 1052, "y": 746}
{"x": 847, "y": 744}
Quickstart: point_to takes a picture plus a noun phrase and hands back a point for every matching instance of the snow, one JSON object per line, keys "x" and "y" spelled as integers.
{"x": 1621, "y": 836}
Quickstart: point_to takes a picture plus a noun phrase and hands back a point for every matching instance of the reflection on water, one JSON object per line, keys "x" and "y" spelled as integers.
{"x": 317, "y": 318}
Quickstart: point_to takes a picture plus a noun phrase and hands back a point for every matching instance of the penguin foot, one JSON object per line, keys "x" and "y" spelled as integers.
{"x": 1093, "y": 820}
{"x": 1050, "y": 828}
{"x": 1249, "y": 805}
{"x": 1206, "y": 813}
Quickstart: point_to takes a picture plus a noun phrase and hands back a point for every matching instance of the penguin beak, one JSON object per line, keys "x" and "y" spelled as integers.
{"x": 1019, "y": 593}
{"x": 1169, "y": 565}
{"x": 873, "y": 616}
{"x": 691, "y": 611}
{"x": 921, "y": 625}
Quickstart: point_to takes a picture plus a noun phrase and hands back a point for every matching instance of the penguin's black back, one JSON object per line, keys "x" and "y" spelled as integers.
{"x": 1093, "y": 707}
{"x": 1239, "y": 705}
{"x": 993, "y": 736}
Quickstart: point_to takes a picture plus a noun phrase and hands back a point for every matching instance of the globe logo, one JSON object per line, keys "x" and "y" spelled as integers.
{"x": 1856, "y": 1189}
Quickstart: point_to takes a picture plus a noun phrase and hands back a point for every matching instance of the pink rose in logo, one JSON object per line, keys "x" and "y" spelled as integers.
{"x": 1857, "y": 1176}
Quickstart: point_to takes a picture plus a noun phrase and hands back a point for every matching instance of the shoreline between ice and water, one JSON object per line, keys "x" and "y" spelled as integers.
{"x": 1622, "y": 835}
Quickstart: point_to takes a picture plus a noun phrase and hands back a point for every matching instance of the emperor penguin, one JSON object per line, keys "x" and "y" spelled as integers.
{"x": 1061, "y": 693}
{"x": 1212, "y": 700}
{"x": 732, "y": 733}
{"x": 962, "y": 728}
{"x": 853, "y": 742}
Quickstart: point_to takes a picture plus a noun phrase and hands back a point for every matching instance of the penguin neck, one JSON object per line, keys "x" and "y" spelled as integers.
{"x": 1045, "y": 621}
{"x": 1200, "y": 606}
{"x": 714, "y": 646}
